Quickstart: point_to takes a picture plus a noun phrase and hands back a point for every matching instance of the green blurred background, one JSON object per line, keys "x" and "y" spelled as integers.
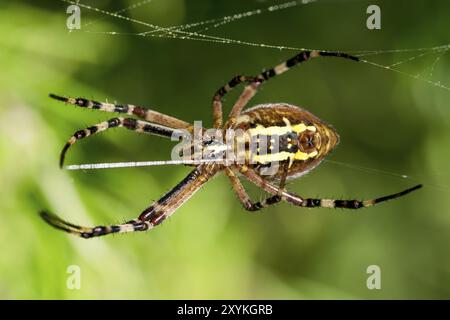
{"x": 212, "y": 248}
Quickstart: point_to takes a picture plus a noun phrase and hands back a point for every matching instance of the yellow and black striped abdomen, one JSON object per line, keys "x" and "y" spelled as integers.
{"x": 285, "y": 133}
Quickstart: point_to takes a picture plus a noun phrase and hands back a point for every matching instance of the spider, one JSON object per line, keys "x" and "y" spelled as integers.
{"x": 304, "y": 141}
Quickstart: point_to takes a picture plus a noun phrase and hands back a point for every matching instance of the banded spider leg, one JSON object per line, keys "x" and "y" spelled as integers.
{"x": 254, "y": 82}
{"x": 150, "y": 217}
{"x": 139, "y": 126}
{"x": 294, "y": 199}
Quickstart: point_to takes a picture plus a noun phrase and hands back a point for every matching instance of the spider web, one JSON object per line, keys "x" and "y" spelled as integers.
{"x": 201, "y": 31}
{"x": 196, "y": 32}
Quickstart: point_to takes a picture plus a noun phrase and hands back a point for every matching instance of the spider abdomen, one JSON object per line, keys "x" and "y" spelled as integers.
{"x": 282, "y": 133}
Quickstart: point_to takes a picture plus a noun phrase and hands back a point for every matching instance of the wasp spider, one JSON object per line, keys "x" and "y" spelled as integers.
{"x": 304, "y": 140}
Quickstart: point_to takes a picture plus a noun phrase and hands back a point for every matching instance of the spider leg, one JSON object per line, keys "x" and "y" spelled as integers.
{"x": 149, "y": 218}
{"x": 129, "y": 123}
{"x": 245, "y": 198}
{"x": 221, "y": 92}
{"x": 254, "y": 82}
{"x": 299, "y": 58}
{"x": 292, "y": 198}
{"x": 129, "y": 109}
{"x": 89, "y": 232}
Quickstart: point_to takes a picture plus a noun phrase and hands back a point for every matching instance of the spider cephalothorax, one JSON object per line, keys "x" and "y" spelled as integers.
{"x": 287, "y": 139}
